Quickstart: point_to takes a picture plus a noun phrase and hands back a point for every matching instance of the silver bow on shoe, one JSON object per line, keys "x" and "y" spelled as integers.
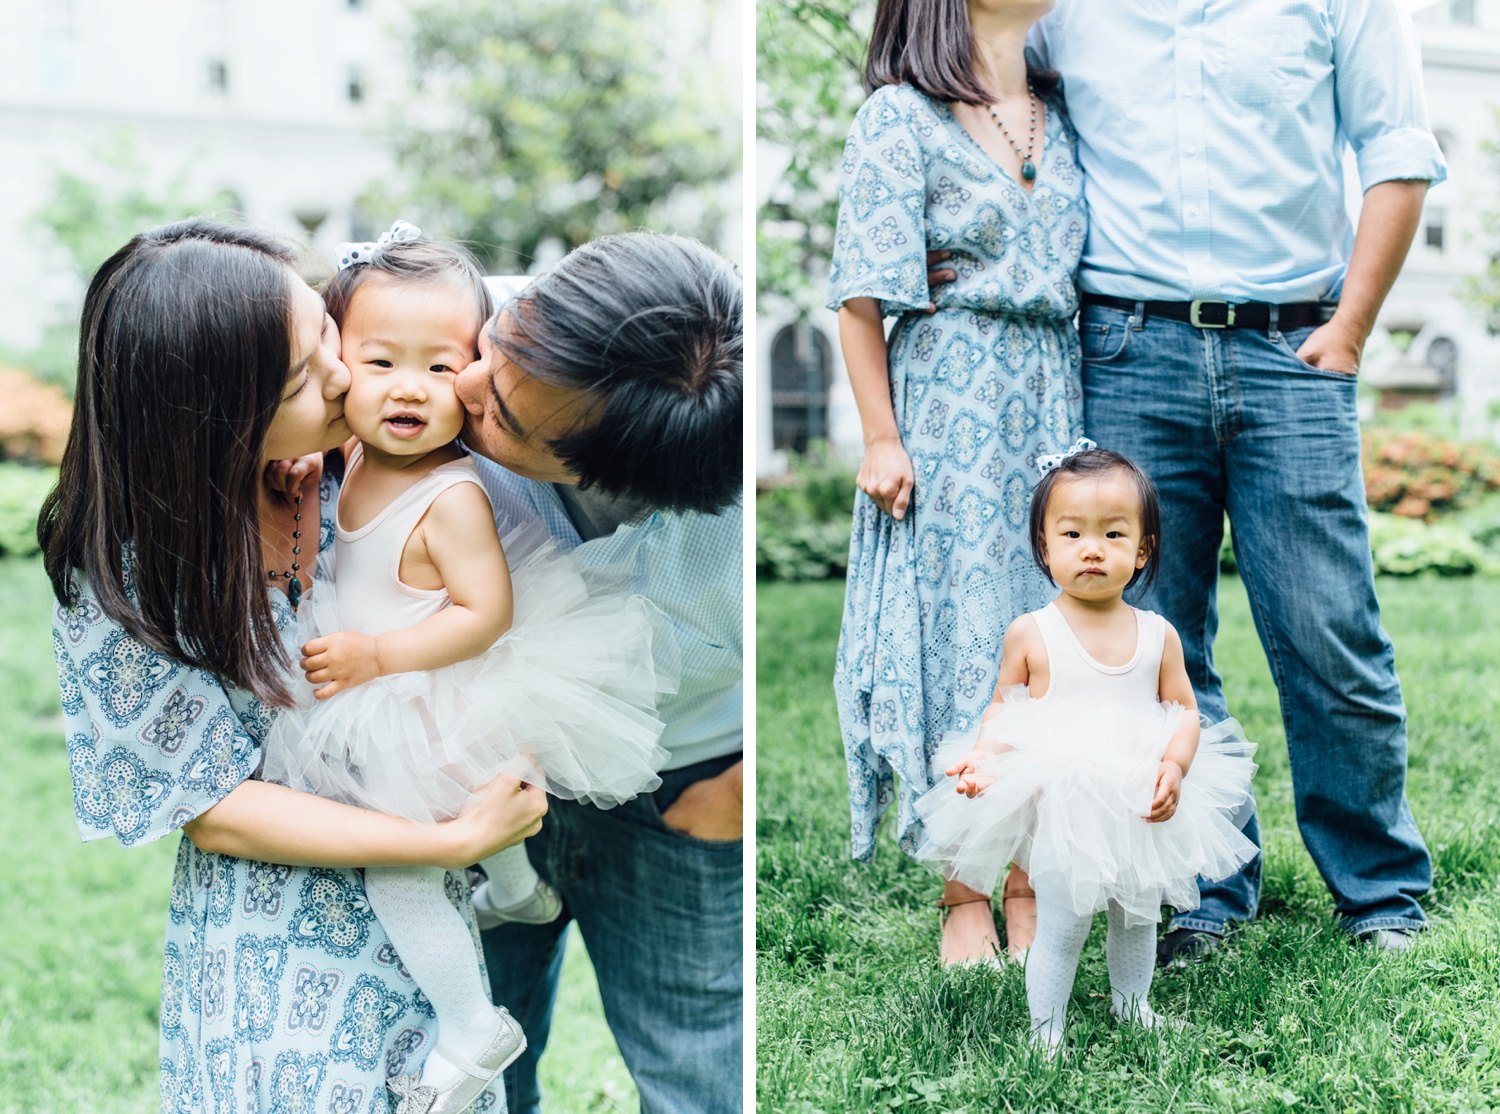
{"x": 415, "y": 1098}
{"x": 505, "y": 1044}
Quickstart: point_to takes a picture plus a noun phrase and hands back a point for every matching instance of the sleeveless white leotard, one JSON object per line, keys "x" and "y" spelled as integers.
{"x": 564, "y": 699}
{"x": 1073, "y": 773}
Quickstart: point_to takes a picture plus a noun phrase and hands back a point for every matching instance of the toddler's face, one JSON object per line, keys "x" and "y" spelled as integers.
{"x": 1093, "y": 535}
{"x": 404, "y": 344}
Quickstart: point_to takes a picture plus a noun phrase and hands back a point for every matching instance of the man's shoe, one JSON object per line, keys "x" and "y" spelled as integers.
{"x": 1392, "y": 941}
{"x": 1182, "y": 947}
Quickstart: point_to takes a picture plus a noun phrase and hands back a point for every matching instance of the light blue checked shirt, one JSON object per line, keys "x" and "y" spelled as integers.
{"x": 690, "y": 567}
{"x": 1212, "y": 137}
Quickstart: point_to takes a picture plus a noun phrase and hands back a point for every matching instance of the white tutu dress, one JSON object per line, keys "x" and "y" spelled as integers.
{"x": 565, "y": 699}
{"x": 1074, "y": 772}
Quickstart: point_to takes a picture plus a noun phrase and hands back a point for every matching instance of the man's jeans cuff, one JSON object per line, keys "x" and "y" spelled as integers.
{"x": 1196, "y": 924}
{"x": 1371, "y": 924}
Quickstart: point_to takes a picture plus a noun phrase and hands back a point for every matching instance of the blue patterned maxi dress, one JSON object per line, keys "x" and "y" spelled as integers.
{"x": 980, "y": 389}
{"x": 280, "y": 991}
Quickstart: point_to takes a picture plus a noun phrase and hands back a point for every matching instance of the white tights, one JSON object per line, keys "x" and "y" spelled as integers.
{"x": 1052, "y": 964}
{"x": 512, "y": 877}
{"x": 434, "y": 944}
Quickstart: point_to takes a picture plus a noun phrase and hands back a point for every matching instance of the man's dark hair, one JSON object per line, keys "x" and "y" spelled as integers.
{"x": 1099, "y": 462}
{"x": 410, "y": 261}
{"x": 649, "y": 330}
{"x": 929, "y": 45}
{"x": 184, "y": 350}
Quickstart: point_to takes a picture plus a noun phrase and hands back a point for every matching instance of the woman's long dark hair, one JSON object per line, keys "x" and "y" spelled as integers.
{"x": 184, "y": 350}
{"x": 929, "y": 45}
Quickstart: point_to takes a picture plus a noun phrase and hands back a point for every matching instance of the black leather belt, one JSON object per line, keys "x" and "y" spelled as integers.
{"x": 1204, "y": 314}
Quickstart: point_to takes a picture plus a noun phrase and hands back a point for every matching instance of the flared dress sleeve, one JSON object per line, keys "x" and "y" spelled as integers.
{"x": 152, "y": 743}
{"x": 880, "y": 243}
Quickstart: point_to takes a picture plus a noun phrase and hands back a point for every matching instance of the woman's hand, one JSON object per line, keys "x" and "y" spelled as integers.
{"x": 340, "y": 661}
{"x": 711, "y": 809}
{"x": 1168, "y": 792}
{"x": 500, "y": 814}
{"x": 886, "y": 476}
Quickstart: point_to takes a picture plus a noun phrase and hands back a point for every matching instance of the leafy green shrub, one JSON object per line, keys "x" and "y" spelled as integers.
{"x": 802, "y": 525}
{"x": 22, "y": 490}
{"x": 1417, "y": 475}
{"x": 1406, "y": 546}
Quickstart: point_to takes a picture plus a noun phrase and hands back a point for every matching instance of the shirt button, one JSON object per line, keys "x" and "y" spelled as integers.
{"x": 1187, "y": 34}
{"x": 1193, "y": 211}
{"x": 1192, "y": 148}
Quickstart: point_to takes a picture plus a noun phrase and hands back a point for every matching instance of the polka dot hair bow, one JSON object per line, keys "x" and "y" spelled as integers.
{"x": 1045, "y": 464}
{"x": 353, "y": 254}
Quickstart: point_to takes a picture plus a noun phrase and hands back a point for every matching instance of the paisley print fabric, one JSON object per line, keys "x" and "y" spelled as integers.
{"x": 279, "y": 990}
{"x": 980, "y": 389}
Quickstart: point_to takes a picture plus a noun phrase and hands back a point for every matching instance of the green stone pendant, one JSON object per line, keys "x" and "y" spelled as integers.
{"x": 1028, "y": 170}
{"x": 294, "y": 591}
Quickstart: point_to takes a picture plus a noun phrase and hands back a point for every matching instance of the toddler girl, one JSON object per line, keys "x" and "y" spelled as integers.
{"x": 1091, "y": 771}
{"x": 420, "y": 700}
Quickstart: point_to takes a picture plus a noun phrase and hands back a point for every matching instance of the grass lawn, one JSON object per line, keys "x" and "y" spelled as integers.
{"x": 83, "y": 925}
{"x": 854, "y": 1014}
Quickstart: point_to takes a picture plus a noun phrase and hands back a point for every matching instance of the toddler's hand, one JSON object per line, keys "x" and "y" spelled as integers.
{"x": 289, "y": 478}
{"x": 1168, "y": 792}
{"x": 970, "y": 781}
{"x": 340, "y": 661}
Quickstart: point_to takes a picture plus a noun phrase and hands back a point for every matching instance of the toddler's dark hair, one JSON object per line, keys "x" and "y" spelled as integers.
{"x": 413, "y": 260}
{"x": 1098, "y": 462}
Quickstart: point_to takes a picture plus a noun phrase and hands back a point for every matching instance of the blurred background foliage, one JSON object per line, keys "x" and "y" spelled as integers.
{"x": 537, "y": 125}
{"x": 816, "y": 50}
{"x": 91, "y": 213}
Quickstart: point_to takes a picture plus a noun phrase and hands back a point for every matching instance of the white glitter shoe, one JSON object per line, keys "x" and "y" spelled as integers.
{"x": 506, "y": 1043}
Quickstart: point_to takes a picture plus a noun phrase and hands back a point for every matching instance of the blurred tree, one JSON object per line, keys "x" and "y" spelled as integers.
{"x": 91, "y": 212}
{"x": 542, "y": 120}
{"x": 810, "y": 67}
{"x": 1482, "y": 290}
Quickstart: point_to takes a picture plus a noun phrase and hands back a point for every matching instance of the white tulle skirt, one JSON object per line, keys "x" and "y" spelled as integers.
{"x": 1067, "y": 802}
{"x": 565, "y": 699}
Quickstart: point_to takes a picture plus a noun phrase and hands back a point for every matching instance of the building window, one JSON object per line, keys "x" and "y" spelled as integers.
{"x": 356, "y": 86}
{"x": 801, "y": 359}
{"x": 1432, "y": 223}
{"x": 1462, "y": 11}
{"x": 218, "y": 76}
{"x": 355, "y": 5}
{"x": 1442, "y": 357}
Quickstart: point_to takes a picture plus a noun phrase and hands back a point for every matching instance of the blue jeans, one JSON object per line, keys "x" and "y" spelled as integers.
{"x": 1230, "y": 420}
{"x": 661, "y": 915}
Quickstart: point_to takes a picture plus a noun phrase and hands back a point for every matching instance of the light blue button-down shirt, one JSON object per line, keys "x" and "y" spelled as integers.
{"x": 1212, "y": 137}
{"x": 690, "y": 567}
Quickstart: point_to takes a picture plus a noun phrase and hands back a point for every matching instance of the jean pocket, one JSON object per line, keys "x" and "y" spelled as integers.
{"x": 1288, "y": 343}
{"x": 678, "y": 836}
{"x": 1103, "y": 342}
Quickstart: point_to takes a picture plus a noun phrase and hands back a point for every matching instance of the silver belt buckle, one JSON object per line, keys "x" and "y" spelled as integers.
{"x": 1195, "y": 319}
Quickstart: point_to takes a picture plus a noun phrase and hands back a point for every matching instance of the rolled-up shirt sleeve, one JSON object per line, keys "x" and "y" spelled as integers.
{"x": 1381, "y": 105}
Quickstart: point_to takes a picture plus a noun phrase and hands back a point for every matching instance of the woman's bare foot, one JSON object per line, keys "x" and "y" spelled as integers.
{"x": 1018, "y": 904}
{"x": 969, "y": 933}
